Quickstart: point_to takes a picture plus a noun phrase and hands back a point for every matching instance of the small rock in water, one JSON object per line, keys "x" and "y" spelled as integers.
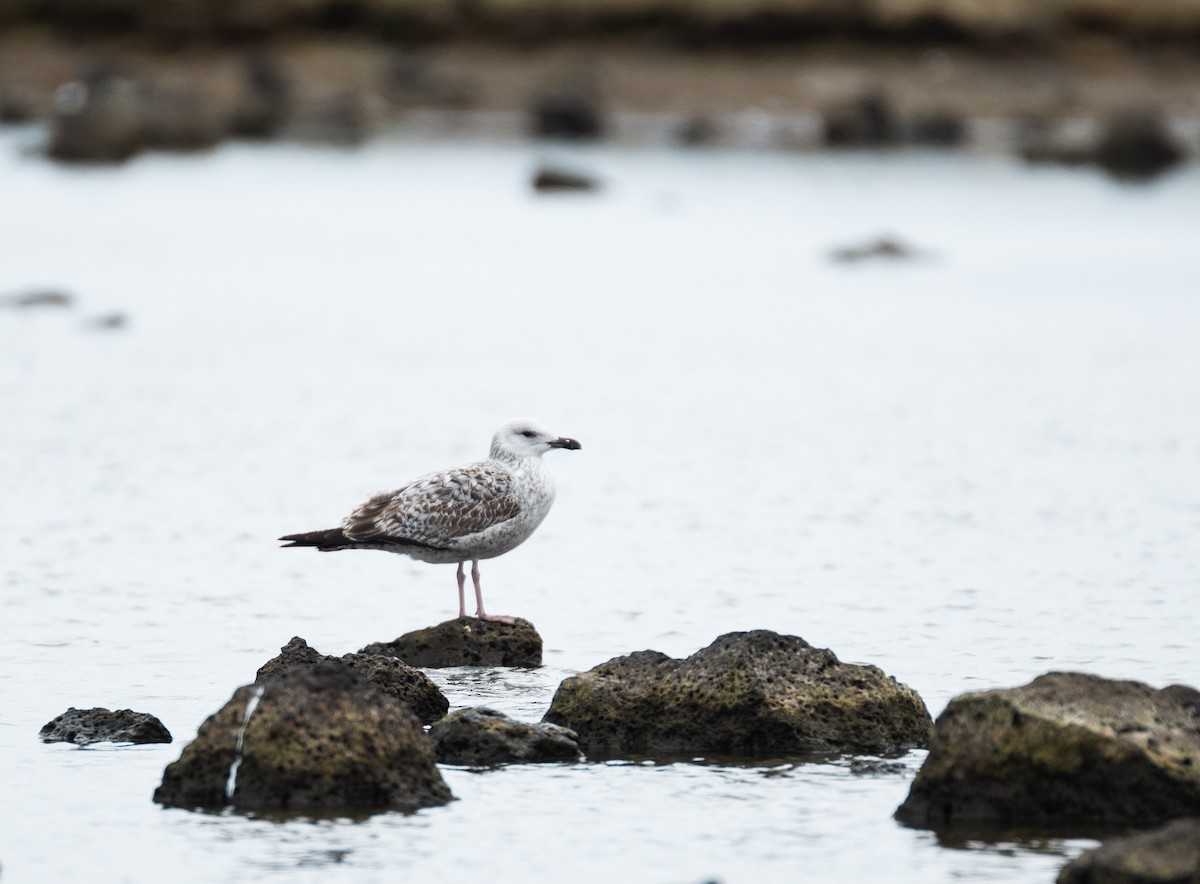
{"x": 876, "y": 768}
{"x": 1066, "y": 748}
{"x": 38, "y": 298}
{"x": 551, "y": 180}
{"x": 319, "y": 739}
{"x": 1170, "y": 855}
{"x": 865, "y": 121}
{"x": 1136, "y": 146}
{"x": 484, "y": 737}
{"x": 97, "y": 118}
{"x": 750, "y": 694}
{"x": 885, "y": 248}
{"x": 100, "y": 725}
{"x": 392, "y": 676}
{"x": 937, "y": 128}
{"x": 573, "y": 115}
{"x": 108, "y": 321}
{"x": 466, "y": 642}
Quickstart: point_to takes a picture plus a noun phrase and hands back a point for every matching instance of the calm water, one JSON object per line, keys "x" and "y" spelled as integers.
{"x": 968, "y": 469}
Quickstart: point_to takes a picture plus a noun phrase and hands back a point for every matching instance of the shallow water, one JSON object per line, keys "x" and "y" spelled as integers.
{"x": 968, "y": 469}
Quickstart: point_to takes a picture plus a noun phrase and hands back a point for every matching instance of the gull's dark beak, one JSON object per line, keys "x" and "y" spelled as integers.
{"x": 564, "y": 442}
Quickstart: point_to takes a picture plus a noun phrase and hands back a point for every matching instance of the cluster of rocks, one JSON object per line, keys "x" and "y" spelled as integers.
{"x": 318, "y": 733}
{"x": 1071, "y": 749}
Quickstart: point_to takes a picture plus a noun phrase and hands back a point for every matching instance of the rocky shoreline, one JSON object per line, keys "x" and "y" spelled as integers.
{"x": 106, "y": 99}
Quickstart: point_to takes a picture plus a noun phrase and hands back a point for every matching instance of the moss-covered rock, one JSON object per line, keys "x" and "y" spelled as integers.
{"x": 1170, "y": 855}
{"x": 389, "y": 674}
{"x": 748, "y": 694}
{"x": 100, "y": 725}
{"x": 321, "y": 739}
{"x": 1066, "y": 748}
{"x": 480, "y": 736}
{"x": 466, "y": 641}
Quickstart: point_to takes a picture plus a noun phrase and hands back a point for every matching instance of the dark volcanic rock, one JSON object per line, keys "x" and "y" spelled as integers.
{"x": 319, "y": 739}
{"x": 549, "y": 180}
{"x": 1170, "y": 855}
{"x": 749, "y": 694}
{"x": 484, "y": 736}
{"x": 1136, "y": 146}
{"x": 99, "y": 725}
{"x": 390, "y": 675}
{"x": 1065, "y": 748}
{"x": 466, "y": 642}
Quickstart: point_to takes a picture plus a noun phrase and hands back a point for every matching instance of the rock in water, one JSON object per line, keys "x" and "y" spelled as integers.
{"x": 466, "y": 641}
{"x": 1170, "y": 855}
{"x": 749, "y": 694}
{"x": 319, "y": 739}
{"x": 99, "y": 725}
{"x": 390, "y": 675}
{"x": 484, "y": 736}
{"x": 1065, "y": 748}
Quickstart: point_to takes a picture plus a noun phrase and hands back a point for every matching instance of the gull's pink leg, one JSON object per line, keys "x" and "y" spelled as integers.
{"x": 479, "y": 612}
{"x": 462, "y": 599}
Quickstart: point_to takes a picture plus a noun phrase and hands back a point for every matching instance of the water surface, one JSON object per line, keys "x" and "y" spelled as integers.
{"x": 969, "y": 469}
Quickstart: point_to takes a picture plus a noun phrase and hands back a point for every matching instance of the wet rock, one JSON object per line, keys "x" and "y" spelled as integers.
{"x": 97, "y": 119}
{"x": 1065, "y": 748}
{"x": 38, "y": 298}
{"x": 484, "y": 737}
{"x": 16, "y": 107}
{"x": 100, "y": 725}
{"x": 885, "y": 248}
{"x": 573, "y": 115}
{"x": 873, "y": 767}
{"x": 866, "y": 121}
{"x": 409, "y": 685}
{"x": 1136, "y": 146}
{"x": 551, "y": 180}
{"x": 1170, "y": 855}
{"x": 319, "y": 739}
{"x": 265, "y": 102}
{"x": 748, "y": 694}
{"x": 466, "y": 642}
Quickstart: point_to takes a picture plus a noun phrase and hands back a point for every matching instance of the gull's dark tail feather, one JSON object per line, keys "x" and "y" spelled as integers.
{"x": 325, "y": 541}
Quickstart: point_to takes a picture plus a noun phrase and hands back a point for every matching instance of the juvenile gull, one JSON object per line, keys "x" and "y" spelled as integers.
{"x": 462, "y": 514}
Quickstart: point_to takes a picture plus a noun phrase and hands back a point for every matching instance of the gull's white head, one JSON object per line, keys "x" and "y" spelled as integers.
{"x": 525, "y": 437}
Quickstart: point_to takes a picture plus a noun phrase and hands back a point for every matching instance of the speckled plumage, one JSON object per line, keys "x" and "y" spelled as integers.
{"x": 467, "y": 513}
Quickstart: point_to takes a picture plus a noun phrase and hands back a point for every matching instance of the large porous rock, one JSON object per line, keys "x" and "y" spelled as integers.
{"x": 1170, "y": 855}
{"x": 749, "y": 694}
{"x": 466, "y": 642}
{"x": 1065, "y": 748}
{"x": 392, "y": 676}
{"x": 480, "y": 736}
{"x": 100, "y": 725}
{"x": 319, "y": 739}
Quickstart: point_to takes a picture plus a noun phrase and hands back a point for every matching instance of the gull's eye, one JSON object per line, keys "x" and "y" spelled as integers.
{"x": 528, "y": 434}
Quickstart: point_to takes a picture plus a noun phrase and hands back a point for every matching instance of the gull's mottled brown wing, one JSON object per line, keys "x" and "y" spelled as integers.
{"x": 437, "y": 510}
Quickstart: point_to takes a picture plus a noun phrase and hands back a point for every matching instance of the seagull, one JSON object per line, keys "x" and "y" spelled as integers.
{"x": 462, "y": 514}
